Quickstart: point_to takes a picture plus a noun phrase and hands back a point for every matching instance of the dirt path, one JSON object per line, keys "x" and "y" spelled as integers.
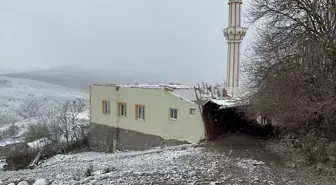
{"x": 242, "y": 147}
{"x": 231, "y": 160}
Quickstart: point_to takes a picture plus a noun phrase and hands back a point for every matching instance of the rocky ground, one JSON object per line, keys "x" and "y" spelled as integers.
{"x": 231, "y": 160}
{"x": 293, "y": 155}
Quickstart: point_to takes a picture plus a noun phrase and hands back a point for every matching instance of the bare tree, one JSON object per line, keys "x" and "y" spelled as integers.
{"x": 30, "y": 108}
{"x": 292, "y": 66}
{"x": 38, "y": 130}
{"x": 54, "y": 125}
{"x": 67, "y": 117}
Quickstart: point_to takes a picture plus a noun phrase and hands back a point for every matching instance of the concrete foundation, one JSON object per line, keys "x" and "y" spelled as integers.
{"x": 104, "y": 138}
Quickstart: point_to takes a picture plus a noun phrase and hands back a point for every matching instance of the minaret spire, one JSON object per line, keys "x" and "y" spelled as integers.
{"x": 234, "y": 34}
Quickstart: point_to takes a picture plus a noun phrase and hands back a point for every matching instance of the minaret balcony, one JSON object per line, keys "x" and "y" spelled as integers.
{"x": 234, "y": 33}
{"x": 235, "y": 1}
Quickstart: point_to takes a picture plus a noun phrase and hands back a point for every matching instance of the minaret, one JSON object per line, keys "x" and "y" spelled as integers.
{"x": 234, "y": 34}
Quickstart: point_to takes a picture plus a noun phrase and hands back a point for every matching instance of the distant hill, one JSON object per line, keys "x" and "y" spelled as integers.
{"x": 7, "y": 71}
{"x": 79, "y": 78}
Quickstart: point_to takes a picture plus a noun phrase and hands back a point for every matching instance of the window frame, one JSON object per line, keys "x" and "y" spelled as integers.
{"x": 106, "y": 110}
{"x": 173, "y": 114}
{"x": 137, "y": 112}
{"x": 120, "y": 105}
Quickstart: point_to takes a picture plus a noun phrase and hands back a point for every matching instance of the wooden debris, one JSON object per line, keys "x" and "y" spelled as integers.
{"x": 33, "y": 164}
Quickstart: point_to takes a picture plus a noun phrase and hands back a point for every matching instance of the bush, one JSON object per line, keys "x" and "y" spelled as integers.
{"x": 11, "y": 131}
{"x": 314, "y": 148}
{"x": 37, "y": 131}
{"x": 19, "y": 157}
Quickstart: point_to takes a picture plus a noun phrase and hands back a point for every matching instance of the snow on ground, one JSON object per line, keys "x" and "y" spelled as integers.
{"x": 2, "y": 164}
{"x": 185, "y": 164}
{"x": 84, "y": 115}
{"x": 14, "y": 92}
{"x": 15, "y": 87}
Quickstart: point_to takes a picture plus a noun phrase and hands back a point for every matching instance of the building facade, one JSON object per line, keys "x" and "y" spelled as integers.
{"x": 138, "y": 117}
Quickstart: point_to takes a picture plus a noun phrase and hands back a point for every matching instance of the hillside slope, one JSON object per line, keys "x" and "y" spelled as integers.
{"x": 65, "y": 80}
{"x": 16, "y": 92}
{"x": 79, "y": 78}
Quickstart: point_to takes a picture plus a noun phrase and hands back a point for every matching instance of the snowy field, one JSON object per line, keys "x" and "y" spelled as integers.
{"x": 23, "y": 88}
{"x": 186, "y": 164}
{"x": 14, "y": 92}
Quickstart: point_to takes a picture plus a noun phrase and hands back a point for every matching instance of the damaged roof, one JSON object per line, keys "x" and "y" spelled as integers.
{"x": 226, "y": 103}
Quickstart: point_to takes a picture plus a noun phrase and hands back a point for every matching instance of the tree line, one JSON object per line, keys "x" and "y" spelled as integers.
{"x": 292, "y": 65}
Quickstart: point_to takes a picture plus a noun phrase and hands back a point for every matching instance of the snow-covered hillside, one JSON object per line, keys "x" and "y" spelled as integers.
{"x": 14, "y": 93}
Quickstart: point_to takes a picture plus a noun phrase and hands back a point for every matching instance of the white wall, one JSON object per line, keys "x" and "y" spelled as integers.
{"x": 157, "y": 103}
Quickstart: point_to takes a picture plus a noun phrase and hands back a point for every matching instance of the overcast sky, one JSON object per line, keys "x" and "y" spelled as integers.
{"x": 180, "y": 38}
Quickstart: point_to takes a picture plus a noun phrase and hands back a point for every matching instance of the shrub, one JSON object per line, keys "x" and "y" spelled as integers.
{"x": 11, "y": 131}
{"x": 37, "y": 131}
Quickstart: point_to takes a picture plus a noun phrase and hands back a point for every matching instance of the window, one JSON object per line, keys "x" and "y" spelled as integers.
{"x": 106, "y": 107}
{"x": 173, "y": 114}
{"x": 192, "y": 111}
{"x": 122, "y": 109}
{"x": 140, "y": 112}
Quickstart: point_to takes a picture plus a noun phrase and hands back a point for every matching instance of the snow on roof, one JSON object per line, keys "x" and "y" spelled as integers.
{"x": 183, "y": 98}
{"x": 225, "y": 102}
{"x": 40, "y": 143}
{"x": 10, "y": 141}
{"x": 148, "y": 86}
{"x": 185, "y": 93}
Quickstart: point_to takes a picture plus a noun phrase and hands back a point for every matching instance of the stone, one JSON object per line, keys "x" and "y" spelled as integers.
{"x": 320, "y": 167}
{"x": 297, "y": 143}
{"x": 41, "y": 182}
{"x": 332, "y": 149}
{"x": 17, "y": 180}
{"x": 23, "y": 183}
{"x": 88, "y": 171}
{"x": 184, "y": 148}
{"x": 105, "y": 169}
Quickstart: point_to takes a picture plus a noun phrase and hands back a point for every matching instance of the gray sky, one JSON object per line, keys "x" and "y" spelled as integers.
{"x": 180, "y": 38}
